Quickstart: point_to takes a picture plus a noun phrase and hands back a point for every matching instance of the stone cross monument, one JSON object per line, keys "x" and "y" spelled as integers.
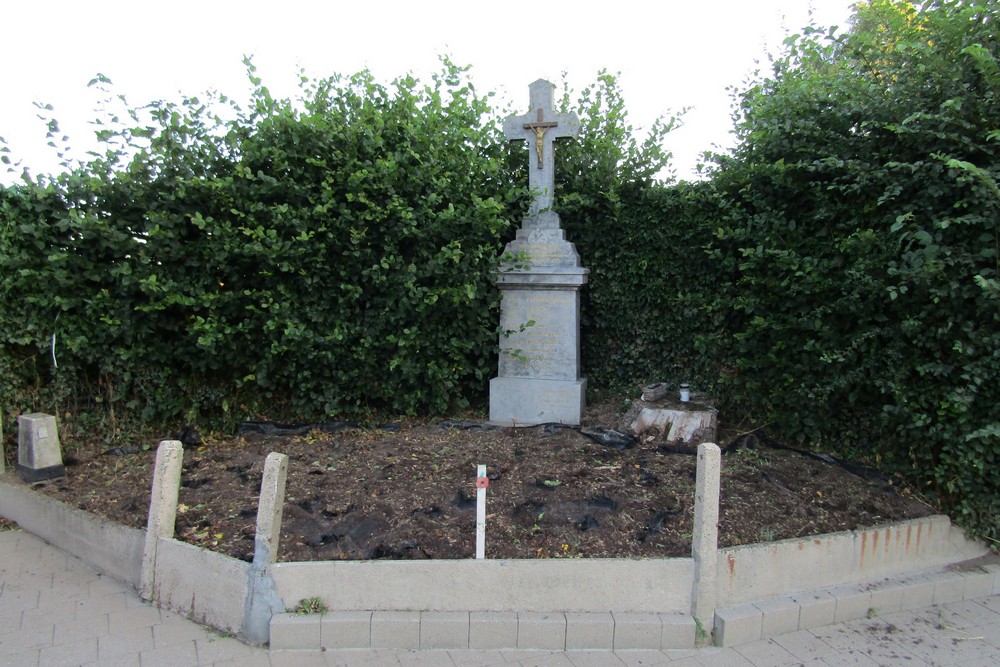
{"x": 539, "y": 377}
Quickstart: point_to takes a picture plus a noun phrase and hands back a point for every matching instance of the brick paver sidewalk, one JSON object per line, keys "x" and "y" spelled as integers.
{"x": 55, "y": 611}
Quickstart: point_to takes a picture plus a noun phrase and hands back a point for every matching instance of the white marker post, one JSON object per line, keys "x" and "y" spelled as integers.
{"x": 482, "y": 482}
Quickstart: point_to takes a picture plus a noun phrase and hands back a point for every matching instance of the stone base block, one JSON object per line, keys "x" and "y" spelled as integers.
{"x": 678, "y": 631}
{"x": 738, "y": 625}
{"x": 637, "y": 631}
{"x": 39, "y": 456}
{"x": 918, "y": 593}
{"x": 541, "y": 631}
{"x": 346, "y": 629}
{"x": 292, "y": 631}
{"x": 492, "y": 630}
{"x": 948, "y": 587}
{"x": 852, "y": 603}
{"x": 517, "y": 401}
{"x": 781, "y": 616}
{"x": 887, "y": 597}
{"x": 396, "y": 629}
{"x": 816, "y": 609}
{"x": 978, "y": 584}
{"x": 32, "y": 475}
{"x": 589, "y": 631}
{"x": 444, "y": 629}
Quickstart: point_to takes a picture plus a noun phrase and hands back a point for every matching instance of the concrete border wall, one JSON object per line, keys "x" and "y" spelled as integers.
{"x": 572, "y": 585}
{"x": 759, "y": 571}
{"x": 108, "y": 547}
{"x": 213, "y": 588}
{"x": 206, "y": 586}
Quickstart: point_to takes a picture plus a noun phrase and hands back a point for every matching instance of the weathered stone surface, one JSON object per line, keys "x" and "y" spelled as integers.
{"x": 539, "y": 379}
{"x": 672, "y": 421}
{"x": 39, "y": 456}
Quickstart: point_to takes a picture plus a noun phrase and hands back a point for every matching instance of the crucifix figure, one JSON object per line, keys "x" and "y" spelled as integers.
{"x": 544, "y": 125}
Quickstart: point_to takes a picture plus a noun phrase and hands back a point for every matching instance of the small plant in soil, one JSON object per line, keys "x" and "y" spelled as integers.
{"x": 312, "y": 605}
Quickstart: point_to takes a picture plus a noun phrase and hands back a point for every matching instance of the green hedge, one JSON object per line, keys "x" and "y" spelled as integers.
{"x": 330, "y": 257}
{"x": 865, "y": 244}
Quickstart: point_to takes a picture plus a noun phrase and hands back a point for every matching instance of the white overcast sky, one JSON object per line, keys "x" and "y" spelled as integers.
{"x": 670, "y": 53}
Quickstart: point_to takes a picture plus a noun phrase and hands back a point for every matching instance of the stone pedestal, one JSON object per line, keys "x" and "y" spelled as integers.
{"x": 539, "y": 379}
{"x": 39, "y": 456}
{"x": 539, "y": 376}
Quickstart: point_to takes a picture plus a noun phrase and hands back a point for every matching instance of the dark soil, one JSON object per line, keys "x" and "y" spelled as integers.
{"x": 408, "y": 491}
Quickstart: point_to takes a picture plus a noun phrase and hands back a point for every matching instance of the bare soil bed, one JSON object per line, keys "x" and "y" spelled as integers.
{"x": 408, "y": 491}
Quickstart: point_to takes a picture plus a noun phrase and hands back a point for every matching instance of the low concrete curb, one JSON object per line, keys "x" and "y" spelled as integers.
{"x": 807, "y": 610}
{"x": 541, "y": 604}
{"x": 555, "y": 631}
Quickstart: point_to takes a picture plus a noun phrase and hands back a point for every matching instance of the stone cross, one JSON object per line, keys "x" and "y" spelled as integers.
{"x": 540, "y": 127}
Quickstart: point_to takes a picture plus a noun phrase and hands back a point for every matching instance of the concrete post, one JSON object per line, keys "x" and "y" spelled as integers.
{"x": 162, "y": 509}
{"x": 39, "y": 456}
{"x": 704, "y": 547}
{"x": 262, "y": 600}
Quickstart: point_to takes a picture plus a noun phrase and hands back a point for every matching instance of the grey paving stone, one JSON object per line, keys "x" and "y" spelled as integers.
{"x": 637, "y": 631}
{"x": 594, "y": 658}
{"x": 480, "y": 658}
{"x": 918, "y": 593}
{"x": 804, "y": 645}
{"x": 30, "y": 618}
{"x": 978, "y": 583}
{"x": 216, "y": 649}
{"x": 766, "y": 652}
{"x": 948, "y": 587}
{"x": 590, "y": 631}
{"x": 346, "y": 629}
{"x": 368, "y": 657}
{"x": 647, "y": 658}
{"x": 444, "y": 629}
{"x": 131, "y": 642}
{"x": 174, "y": 655}
{"x": 133, "y": 619}
{"x": 396, "y": 629}
{"x": 424, "y": 658}
{"x": 677, "y": 631}
{"x": 816, "y": 608}
{"x": 546, "y": 631}
{"x": 302, "y": 659}
{"x": 557, "y": 659}
{"x": 102, "y": 604}
{"x": 124, "y": 660}
{"x": 848, "y": 659}
{"x": 25, "y": 658}
{"x": 291, "y": 631}
{"x": 887, "y": 598}
{"x": 852, "y": 602}
{"x": 738, "y": 625}
{"x": 37, "y": 637}
{"x": 79, "y": 629}
{"x": 492, "y": 630}
{"x": 724, "y": 658}
{"x": 780, "y": 616}
{"x": 69, "y": 654}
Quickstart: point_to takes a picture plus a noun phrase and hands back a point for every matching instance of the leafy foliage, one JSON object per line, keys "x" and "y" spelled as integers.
{"x": 642, "y": 312}
{"x": 866, "y": 245}
{"x": 315, "y": 256}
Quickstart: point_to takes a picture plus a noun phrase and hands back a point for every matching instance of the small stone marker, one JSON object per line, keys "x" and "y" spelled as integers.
{"x": 39, "y": 456}
{"x": 539, "y": 371}
{"x": 482, "y": 483}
